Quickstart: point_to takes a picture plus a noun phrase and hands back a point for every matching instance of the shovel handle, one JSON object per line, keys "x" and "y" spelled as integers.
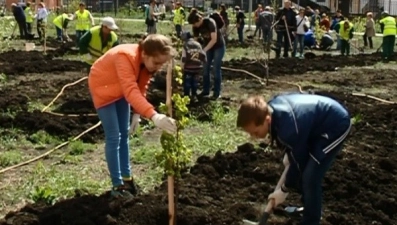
{"x": 270, "y": 205}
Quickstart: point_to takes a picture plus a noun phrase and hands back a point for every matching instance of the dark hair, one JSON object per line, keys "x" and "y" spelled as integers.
{"x": 223, "y": 7}
{"x": 194, "y": 16}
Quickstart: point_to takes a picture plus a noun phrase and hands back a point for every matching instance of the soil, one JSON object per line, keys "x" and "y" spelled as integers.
{"x": 289, "y": 66}
{"x": 22, "y": 62}
{"x": 359, "y": 189}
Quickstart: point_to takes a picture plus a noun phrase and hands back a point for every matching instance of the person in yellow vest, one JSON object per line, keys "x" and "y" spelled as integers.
{"x": 84, "y": 21}
{"x": 388, "y": 28}
{"x": 61, "y": 23}
{"x": 179, "y": 18}
{"x": 98, "y": 40}
{"x": 29, "y": 17}
{"x": 345, "y": 31}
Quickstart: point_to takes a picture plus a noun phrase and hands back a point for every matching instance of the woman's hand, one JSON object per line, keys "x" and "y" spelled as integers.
{"x": 164, "y": 122}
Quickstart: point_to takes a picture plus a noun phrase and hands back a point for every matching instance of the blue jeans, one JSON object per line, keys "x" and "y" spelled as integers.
{"x": 240, "y": 33}
{"x": 215, "y": 55}
{"x": 59, "y": 33}
{"x": 79, "y": 34}
{"x": 299, "y": 39}
{"x": 190, "y": 84}
{"x": 115, "y": 119}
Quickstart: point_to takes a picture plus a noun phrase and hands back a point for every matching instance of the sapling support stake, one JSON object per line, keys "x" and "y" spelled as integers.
{"x": 168, "y": 103}
{"x": 175, "y": 156}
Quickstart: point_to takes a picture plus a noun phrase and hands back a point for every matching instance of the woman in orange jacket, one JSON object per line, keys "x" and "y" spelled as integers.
{"x": 118, "y": 80}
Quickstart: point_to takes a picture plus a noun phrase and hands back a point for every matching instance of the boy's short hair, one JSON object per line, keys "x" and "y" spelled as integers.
{"x": 252, "y": 110}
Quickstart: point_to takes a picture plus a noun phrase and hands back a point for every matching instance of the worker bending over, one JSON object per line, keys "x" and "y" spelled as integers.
{"x": 98, "y": 40}
{"x": 84, "y": 21}
{"x": 345, "y": 31}
{"x": 61, "y": 23}
{"x": 388, "y": 28}
{"x": 311, "y": 130}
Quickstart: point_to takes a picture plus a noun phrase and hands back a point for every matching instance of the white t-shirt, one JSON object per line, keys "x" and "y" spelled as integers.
{"x": 300, "y": 29}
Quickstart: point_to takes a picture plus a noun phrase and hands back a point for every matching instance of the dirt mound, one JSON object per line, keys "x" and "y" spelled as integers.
{"x": 361, "y": 186}
{"x": 288, "y": 66}
{"x": 63, "y": 127}
{"x": 22, "y": 62}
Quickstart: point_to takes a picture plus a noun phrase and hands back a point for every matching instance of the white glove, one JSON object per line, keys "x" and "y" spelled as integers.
{"x": 136, "y": 118}
{"x": 279, "y": 196}
{"x": 164, "y": 122}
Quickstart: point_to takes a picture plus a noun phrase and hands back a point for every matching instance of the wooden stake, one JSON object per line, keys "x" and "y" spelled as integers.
{"x": 170, "y": 180}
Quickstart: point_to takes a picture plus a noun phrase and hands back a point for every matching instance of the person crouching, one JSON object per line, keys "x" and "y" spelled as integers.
{"x": 193, "y": 58}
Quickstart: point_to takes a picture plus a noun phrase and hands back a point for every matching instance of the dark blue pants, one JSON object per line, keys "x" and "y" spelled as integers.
{"x": 314, "y": 172}
{"x": 190, "y": 84}
{"x": 79, "y": 34}
{"x": 178, "y": 29}
{"x": 283, "y": 41}
{"x": 240, "y": 33}
{"x": 59, "y": 33}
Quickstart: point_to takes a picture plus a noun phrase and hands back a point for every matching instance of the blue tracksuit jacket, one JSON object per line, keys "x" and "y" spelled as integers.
{"x": 307, "y": 126}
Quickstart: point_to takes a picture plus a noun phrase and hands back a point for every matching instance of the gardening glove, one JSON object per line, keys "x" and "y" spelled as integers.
{"x": 136, "y": 118}
{"x": 164, "y": 122}
{"x": 279, "y": 196}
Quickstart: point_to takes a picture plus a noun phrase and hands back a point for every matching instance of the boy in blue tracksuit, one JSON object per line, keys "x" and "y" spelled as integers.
{"x": 311, "y": 129}
{"x": 193, "y": 58}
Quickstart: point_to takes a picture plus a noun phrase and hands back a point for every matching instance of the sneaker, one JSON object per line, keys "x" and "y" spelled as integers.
{"x": 204, "y": 95}
{"x": 120, "y": 192}
{"x": 294, "y": 212}
{"x": 193, "y": 99}
{"x": 131, "y": 187}
{"x": 216, "y": 96}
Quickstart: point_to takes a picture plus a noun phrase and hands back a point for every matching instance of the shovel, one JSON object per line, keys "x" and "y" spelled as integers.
{"x": 265, "y": 215}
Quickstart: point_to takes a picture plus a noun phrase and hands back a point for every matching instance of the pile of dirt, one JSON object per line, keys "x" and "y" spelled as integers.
{"x": 289, "y": 66}
{"x": 359, "y": 189}
{"x": 22, "y": 62}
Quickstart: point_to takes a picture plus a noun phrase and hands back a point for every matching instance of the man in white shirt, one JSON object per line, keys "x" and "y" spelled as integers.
{"x": 41, "y": 17}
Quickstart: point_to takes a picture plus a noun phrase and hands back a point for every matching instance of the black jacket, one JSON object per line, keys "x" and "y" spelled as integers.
{"x": 290, "y": 17}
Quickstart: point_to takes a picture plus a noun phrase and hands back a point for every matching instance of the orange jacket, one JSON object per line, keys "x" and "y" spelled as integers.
{"x": 119, "y": 73}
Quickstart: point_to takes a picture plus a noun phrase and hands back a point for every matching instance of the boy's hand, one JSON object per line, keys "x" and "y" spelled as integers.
{"x": 279, "y": 196}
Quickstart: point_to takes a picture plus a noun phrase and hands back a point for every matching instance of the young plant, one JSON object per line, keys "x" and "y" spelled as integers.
{"x": 175, "y": 155}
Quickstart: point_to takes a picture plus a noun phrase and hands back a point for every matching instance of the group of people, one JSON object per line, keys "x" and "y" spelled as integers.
{"x": 297, "y": 28}
{"x": 25, "y": 18}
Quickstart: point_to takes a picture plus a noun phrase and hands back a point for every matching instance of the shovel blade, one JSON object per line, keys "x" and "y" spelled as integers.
{"x": 249, "y": 222}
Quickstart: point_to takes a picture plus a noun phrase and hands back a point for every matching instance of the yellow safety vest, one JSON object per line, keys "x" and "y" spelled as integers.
{"x": 179, "y": 18}
{"x": 344, "y": 34}
{"x": 28, "y": 15}
{"x": 95, "y": 48}
{"x": 390, "y": 26}
{"x": 58, "y": 21}
{"x": 83, "y": 20}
